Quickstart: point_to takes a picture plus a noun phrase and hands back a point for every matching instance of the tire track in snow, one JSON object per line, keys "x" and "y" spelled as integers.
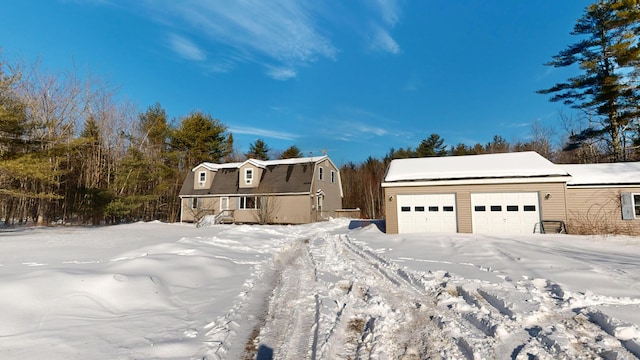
{"x": 541, "y": 323}
{"x": 334, "y": 298}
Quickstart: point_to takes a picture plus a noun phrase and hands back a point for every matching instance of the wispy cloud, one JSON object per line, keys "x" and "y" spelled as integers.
{"x": 185, "y": 48}
{"x": 390, "y": 11}
{"x": 281, "y": 35}
{"x": 382, "y": 41}
{"x": 266, "y": 133}
{"x": 264, "y": 32}
{"x": 387, "y": 16}
{"x": 281, "y": 73}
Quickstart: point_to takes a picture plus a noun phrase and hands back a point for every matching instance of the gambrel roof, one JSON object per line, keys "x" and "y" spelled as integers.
{"x": 286, "y": 176}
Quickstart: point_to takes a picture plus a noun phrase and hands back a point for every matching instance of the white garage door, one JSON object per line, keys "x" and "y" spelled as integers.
{"x": 427, "y": 213}
{"x": 505, "y": 213}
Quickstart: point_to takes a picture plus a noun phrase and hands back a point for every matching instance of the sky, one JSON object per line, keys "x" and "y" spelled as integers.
{"x": 349, "y": 78}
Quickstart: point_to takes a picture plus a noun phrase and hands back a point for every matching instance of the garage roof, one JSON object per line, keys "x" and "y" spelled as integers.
{"x": 625, "y": 173}
{"x": 486, "y": 166}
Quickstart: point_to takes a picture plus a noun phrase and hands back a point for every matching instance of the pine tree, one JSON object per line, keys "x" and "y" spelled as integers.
{"x": 291, "y": 153}
{"x": 608, "y": 57}
{"x": 432, "y": 146}
{"x": 199, "y": 138}
{"x": 258, "y": 150}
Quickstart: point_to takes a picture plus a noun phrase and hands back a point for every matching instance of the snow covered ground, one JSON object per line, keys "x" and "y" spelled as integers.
{"x": 317, "y": 291}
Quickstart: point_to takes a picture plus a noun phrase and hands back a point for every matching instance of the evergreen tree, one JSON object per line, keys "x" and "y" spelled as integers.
{"x": 258, "y": 150}
{"x": 199, "y": 138}
{"x": 461, "y": 149}
{"x": 432, "y": 146}
{"x": 497, "y": 145}
{"x": 608, "y": 57}
{"x": 291, "y": 153}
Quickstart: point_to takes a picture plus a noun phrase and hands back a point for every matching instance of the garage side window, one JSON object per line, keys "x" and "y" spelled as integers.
{"x": 630, "y": 204}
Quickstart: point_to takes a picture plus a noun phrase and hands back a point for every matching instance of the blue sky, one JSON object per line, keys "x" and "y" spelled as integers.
{"x": 354, "y": 78}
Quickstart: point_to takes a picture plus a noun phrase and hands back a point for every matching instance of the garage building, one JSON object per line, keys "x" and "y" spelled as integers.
{"x": 506, "y": 193}
{"x": 510, "y": 193}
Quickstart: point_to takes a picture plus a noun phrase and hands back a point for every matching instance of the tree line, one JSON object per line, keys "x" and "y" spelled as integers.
{"x": 71, "y": 152}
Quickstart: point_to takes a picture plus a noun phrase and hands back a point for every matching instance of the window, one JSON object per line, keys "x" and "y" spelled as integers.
{"x": 405, "y": 208}
{"x": 496, "y": 208}
{"x": 224, "y": 203}
{"x": 249, "y": 203}
{"x": 202, "y": 176}
{"x": 319, "y": 202}
{"x": 193, "y": 202}
{"x": 433, "y": 208}
{"x": 447, "y": 208}
{"x": 320, "y": 173}
{"x": 636, "y": 204}
{"x": 419, "y": 208}
{"x": 512, "y": 207}
{"x": 248, "y": 176}
{"x": 333, "y": 176}
{"x": 480, "y": 208}
{"x": 529, "y": 208}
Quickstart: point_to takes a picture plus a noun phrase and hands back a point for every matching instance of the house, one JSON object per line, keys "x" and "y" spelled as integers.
{"x": 289, "y": 191}
{"x": 604, "y": 197}
{"x": 510, "y": 193}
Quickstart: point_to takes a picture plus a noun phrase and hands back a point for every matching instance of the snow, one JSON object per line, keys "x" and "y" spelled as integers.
{"x": 316, "y": 291}
{"x": 517, "y": 164}
{"x": 600, "y": 174}
{"x": 262, "y": 163}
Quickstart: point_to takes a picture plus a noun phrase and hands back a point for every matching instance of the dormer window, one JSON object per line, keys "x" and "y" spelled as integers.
{"x": 248, "y": 176}
{"x": 202, "y": 177}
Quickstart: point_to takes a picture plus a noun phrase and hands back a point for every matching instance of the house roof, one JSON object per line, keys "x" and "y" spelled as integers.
{"x": 486, "y": 166}
{"x": 262, "y": 163}
{"x": 624, "y": 173}
{"x": 284, "y": 176}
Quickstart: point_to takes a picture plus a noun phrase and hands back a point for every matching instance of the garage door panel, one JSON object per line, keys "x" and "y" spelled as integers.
{"x": 420, "y": 213}
{"x": 505, "y": 213}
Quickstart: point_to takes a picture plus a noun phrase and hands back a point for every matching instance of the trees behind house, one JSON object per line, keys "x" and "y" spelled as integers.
{"x": 606, "y": 90}
{"x": 258, "y": 150}
{"x": 70, "y": 153}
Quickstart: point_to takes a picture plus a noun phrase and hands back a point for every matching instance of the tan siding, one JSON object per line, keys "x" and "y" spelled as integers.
{"x": 550, "y": 209}
{"x": 257, "y": 174}
{"x": 291, "y": 209}
{"x": 208, "y": 178}
{"x": 205, "y": 205}
{"x": 597, "y": 210}
{"x": 332, "y": 198}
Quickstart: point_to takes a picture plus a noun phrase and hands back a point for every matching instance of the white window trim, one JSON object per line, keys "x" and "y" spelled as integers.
{"x": 320, "y": 173}
{"x": 194, "y": 203}
{"x": 222, "y": 201}
{"x": 333, "y": 176}
{"x": 319, "y": 202}
{"x": 202, "y": 178}
{"x": 242, "y": 203}
{"x": 248, "y": 179}
{"x": 636, "y": 205}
